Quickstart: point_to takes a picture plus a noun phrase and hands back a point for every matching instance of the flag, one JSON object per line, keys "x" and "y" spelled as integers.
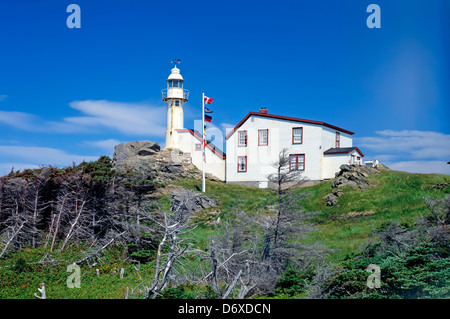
{"x": 208, "y": 118}
{"x": 204, "y": 143}
{"x": 208, "y": 100}
{"x": 207, "y": 110}
{"x": 204, "y": 136}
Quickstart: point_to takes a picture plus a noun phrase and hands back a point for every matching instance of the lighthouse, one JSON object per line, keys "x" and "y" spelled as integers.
{"x": 175, "y": 96}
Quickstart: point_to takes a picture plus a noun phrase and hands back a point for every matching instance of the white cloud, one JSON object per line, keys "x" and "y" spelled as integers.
{"x": 96, "y": 115}
{"x": 227, "y": 128}
{"x": 429, "y": 167}
{"x": 41, "y": 156}
{"x": 24, "y": 121}
{"x": 409, "y": 144}
{"x": 127, "y": 118}
{"x": 103, "y": 145}
{"x": 409, "y": 150}
{"x": 5, "y": 168}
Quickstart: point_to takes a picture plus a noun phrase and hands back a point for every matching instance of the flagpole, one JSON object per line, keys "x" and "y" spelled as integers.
{"x": 203, "y": 142}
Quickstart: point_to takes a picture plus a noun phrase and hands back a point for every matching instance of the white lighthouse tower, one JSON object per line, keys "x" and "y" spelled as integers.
{"x": 175, "y": 96}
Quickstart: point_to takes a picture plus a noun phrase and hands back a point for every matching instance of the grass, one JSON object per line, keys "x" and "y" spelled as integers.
{"x": 393, "y": 196}
{"x": 23, "y": 282}
{"x": 230, "y": 196}
{"x": 346, "y": 227}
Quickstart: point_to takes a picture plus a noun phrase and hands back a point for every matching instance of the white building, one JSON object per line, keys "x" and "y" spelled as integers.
{"x": 315, "y": 148}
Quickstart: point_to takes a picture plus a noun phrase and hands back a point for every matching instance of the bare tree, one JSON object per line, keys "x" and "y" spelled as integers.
{"x": 171, "y": 226}
{"x": 284, "y": 178}
{"x": 440, "y": 209}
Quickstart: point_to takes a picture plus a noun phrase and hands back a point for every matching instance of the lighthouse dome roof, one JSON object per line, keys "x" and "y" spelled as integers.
{"x": 175, "y": 74}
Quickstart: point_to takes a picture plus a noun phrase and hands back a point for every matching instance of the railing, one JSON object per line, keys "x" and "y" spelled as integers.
{"x": 185, "y": 94}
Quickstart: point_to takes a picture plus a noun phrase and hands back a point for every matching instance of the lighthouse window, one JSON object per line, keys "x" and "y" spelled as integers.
{"x": 177, "y": 102}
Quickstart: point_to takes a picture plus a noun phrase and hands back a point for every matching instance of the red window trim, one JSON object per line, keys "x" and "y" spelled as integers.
{"x": 246, "y": 139}
{"x": 337, "y": 140}
{"x": 296, "y": 162}
{"x": 238, "y": 170}
{"x": 263, "y": 129}
{"x": 299, "y": 127}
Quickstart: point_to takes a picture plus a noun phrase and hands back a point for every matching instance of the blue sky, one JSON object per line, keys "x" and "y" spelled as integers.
{"x": 72, "y": 94}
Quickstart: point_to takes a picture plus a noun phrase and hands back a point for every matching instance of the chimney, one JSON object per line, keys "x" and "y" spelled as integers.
{"x": 263, "y": 110}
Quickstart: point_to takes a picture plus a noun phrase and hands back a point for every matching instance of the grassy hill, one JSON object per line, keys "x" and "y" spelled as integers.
{"x": 345, "y": 227}
{"x": 392, "y": 196}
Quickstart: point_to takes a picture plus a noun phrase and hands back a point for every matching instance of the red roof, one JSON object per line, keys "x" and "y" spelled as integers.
{"x": 288, "y": 119}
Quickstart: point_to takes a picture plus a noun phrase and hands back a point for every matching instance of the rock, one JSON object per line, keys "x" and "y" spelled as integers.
{"x": 173, "y": 168}
{"x": 123, "y": 151}
{"x": 354, "y": 176}
{"x": 342, "y": 181}
{"x": 337, "y": 192}
{"x": 330, "y": 199}
{"x": 186, "y": 202}
{"x": 380, "y": 166}
{"x": 147, "y": 158}
{"x": 134, "y": 155}
{"x": 441, "y": 186}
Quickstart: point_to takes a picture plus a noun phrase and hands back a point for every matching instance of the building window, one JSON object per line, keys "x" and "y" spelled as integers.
{"x": 352, "y": 159}
{"x": 297, "y": 162}
{"x": 297, "y": 135}
{"x": 198, "y": 147}
{"x": 338, "y": 140}
{"x": 242, "y": 164}
{"x": 242, "y": 139}
{"x": 263, "y": 137}
{"x": 358, "y": 160}
{"x": 177, "y": 102}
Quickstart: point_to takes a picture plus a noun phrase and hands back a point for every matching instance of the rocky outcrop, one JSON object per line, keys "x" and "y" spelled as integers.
{"x": 440, "y": 186}
{"x": 353, "y": 175}
{"x": 332, "y": 198}
{"x": 186, "y": 202}
{"x": 147, "y": 158}
{"x": 350, "y": 175}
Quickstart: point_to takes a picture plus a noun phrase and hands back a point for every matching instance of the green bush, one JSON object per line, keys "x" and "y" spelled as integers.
{"x": 178, "y": 292}
{"x": 292, "y": 282}
{"x": 418, "y": 273}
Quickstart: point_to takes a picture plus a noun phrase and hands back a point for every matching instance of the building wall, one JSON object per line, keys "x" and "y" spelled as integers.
{"x": 329, "y": 138}
{"x": 331, "y": 163}
{"x": 261, "y": 158}
{"x": 215, "y": 165}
